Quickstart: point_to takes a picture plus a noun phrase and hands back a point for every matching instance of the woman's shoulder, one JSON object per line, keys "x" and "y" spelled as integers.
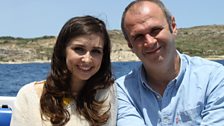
{"x": 104, "y": 93}
{"x": 31, "y": 88}
{"x": 25, "y": 88}
{"x": 38, "y": 87}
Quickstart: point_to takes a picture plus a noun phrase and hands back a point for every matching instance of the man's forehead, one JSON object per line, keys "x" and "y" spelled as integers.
{"x": 143, "y": 6}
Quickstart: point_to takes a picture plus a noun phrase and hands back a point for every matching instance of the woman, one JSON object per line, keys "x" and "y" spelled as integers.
{"x": 79, "y": 88}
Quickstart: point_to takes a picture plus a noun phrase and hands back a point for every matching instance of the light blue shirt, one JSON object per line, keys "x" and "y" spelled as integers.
{"x": 194, "y": 97}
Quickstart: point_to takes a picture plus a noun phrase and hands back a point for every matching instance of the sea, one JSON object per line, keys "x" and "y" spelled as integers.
{"x": 14, "y": 76}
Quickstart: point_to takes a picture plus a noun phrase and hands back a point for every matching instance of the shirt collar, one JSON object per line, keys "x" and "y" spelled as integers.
{"x": 143, "y": 77}
{"x": 183, "y": 65}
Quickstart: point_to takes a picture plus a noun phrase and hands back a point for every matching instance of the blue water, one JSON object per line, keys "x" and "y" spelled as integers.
{"x": 14, "y": 76}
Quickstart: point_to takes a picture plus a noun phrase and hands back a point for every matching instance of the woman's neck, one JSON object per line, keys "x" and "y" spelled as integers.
{"x": 76, "y": 86}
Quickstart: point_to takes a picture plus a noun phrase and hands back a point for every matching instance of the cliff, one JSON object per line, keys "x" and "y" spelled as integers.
{"x": 204, "y": 41}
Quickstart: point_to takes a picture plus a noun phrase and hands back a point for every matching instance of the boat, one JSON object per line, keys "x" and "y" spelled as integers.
{"x": 7, "y": 105}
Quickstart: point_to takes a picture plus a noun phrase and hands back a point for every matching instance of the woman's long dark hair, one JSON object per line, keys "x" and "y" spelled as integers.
{"x": 58, "y": 85}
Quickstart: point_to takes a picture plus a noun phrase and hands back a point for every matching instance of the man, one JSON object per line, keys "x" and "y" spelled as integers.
{"x": 168, "y": 88}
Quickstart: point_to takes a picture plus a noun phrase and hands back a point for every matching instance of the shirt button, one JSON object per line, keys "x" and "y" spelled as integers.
{"x": 166, "y": 120}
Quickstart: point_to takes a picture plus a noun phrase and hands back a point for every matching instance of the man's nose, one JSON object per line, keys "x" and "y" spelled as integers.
{"x": 149, "y": 40}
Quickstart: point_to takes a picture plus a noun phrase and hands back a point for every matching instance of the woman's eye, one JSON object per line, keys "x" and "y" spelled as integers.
{"x": 96, "y": 51}
{"x": 79, "y": 50}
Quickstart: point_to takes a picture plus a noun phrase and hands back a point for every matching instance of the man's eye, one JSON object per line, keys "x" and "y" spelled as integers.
{"x": 138, "y": 37}
{"x": 155, "y": 32}
{"x": 79, "y": 50}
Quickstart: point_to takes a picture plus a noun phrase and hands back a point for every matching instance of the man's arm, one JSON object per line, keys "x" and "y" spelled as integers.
{"x": 127, "y": 113}
{"x": 213, "y": 113}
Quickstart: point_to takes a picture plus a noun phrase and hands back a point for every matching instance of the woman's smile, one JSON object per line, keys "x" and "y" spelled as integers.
{"x": 84, "y": 68}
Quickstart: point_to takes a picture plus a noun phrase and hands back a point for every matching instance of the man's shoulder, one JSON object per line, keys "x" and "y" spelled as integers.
{"x": 196, "y": 61}
{"x": 132, "y": 75}
{"x": 130, "y": 80}
{"x": 200, "y": 67}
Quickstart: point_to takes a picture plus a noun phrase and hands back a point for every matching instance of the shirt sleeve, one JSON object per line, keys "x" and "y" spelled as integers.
{"x": 127, "y": 113}
{"x": 213, "y": 113}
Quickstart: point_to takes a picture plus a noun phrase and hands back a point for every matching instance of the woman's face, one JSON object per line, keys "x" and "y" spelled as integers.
{"x": 83, "y": 58}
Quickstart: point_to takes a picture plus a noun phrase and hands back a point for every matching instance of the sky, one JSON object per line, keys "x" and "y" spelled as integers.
{"x": 36, "y": 18}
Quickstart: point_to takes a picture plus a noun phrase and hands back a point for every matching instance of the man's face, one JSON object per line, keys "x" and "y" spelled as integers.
{"x": 149, "y": 34}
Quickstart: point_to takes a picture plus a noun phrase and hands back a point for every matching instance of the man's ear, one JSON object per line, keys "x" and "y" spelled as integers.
{"x": 173, "y": 25}
{"x": 129, "y": 45}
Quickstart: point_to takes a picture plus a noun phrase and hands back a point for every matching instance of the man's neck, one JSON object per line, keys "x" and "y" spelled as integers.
{"x": 160, "y": 76}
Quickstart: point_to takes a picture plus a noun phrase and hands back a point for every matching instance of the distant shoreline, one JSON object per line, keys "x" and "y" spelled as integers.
{"x": 24, "y": 62}
{"x": 221, "y": 57}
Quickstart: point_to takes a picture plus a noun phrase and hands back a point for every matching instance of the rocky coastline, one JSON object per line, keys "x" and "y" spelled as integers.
{"x": 204, "y": 41}
{"x": 39, "y": 50}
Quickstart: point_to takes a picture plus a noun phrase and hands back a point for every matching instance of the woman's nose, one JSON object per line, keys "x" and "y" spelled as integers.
{"x": 87, "y": 58}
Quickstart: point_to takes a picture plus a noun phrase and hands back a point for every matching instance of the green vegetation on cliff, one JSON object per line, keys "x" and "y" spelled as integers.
{"x": 205, "y": 41}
